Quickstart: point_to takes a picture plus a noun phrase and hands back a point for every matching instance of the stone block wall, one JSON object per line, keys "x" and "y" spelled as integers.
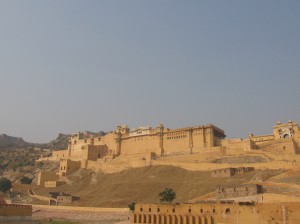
{"x": 228, "y": 172}
{"x": 224, "y": 192}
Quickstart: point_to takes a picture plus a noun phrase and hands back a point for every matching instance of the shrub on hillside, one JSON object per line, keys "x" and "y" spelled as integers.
{"x": 25, "y": 180}
{"x": 167, "y": 196}
{"x": 5, "y": 184}
{"x": 131, "y": 206}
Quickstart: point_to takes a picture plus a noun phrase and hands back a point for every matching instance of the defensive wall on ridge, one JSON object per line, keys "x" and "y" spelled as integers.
{"x": 213, "y": 166}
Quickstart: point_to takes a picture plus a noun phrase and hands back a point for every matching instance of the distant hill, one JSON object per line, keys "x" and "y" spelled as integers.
{"x": 61, "y": 142}
{"x": 6, "y": 142}
{"x": 15, "y": 142}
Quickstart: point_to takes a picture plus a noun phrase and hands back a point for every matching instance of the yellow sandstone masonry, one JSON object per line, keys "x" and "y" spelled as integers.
{"x": 217, "y": 212}
{"x": 126, "y": 148}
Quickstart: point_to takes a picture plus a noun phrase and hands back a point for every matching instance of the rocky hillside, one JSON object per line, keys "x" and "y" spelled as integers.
{"x": 61, "y": 142}
{"x": 9, "y": 141}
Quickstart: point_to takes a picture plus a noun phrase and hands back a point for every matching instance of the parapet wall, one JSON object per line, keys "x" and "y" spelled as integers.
{"x": 9, "y": 210}
{"x": 213, "y": 166}
{"x": 118, "y": 165}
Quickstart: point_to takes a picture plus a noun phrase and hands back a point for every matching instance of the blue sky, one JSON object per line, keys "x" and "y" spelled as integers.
{"x": 74, "y": 65}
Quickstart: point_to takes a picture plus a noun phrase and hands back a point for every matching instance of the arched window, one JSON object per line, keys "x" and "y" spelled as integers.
{"x": 227, "y": 211}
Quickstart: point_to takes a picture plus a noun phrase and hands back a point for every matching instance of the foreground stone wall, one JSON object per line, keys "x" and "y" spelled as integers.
{"x": 11, "y": 210}
{"x": 211, "y": 212}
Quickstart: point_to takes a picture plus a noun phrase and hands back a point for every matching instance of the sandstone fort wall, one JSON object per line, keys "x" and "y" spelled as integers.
{"x": 225, "y": 213}
{"x": 120, "y": 149}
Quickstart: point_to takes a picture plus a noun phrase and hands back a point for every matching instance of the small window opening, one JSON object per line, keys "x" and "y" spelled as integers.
{"x": 227, "y": 211}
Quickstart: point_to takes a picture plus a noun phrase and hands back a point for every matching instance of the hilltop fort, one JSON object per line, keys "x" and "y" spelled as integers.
{"x": 244, "y": 172}
{"x": 124, "y": 148}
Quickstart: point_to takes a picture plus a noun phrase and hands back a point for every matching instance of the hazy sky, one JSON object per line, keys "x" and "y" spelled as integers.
{"x": 69, "y": 65}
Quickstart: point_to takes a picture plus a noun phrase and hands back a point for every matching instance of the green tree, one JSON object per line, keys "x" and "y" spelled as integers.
{"x": 5, "y": 184}
{"x": 131, "y": 206}
{"x": 25, "y": 180}
{"x": 167, "y": 196}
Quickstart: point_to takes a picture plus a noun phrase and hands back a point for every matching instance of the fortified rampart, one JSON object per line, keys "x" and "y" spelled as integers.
{"x": 212, "y": 212}
{"x": 212, "y": 166}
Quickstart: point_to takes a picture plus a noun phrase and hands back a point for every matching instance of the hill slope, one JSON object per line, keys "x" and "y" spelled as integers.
{"x": 142, "y": 185}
